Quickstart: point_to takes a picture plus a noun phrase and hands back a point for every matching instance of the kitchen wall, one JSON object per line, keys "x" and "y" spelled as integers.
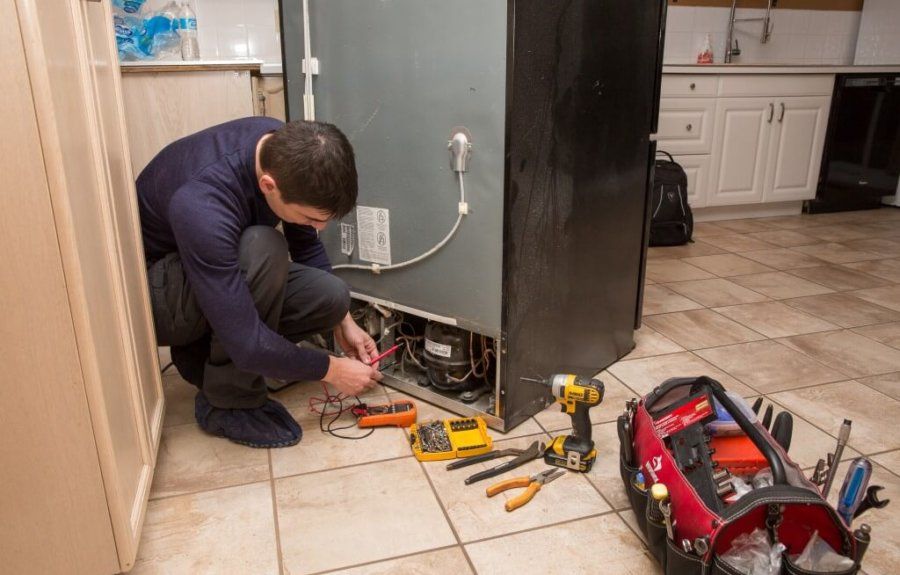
{"x": 236, "y": 29}
{"x": 798, "y": 36}
{"x": 879, "y": 33}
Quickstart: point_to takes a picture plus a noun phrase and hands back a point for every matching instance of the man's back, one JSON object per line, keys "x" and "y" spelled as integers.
{"x": 220, "y": 160}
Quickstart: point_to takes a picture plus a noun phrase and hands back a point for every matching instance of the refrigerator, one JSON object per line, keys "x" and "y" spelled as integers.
{"x": 505, "y": 148}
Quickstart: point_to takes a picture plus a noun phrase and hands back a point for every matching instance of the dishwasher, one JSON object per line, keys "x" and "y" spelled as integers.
{"x": 861, "y": 161}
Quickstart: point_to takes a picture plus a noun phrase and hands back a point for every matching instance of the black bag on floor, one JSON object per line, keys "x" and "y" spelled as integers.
{"x": 671, "y": 219}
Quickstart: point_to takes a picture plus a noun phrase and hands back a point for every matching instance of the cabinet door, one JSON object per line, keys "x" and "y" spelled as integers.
{"x": 71, "y": 66}
{"x": 161, "y": 107}
{"x": 697, "y": 170}
{"x": 795, "y": 152}
{"x": 740, "y": 147}
{"x": 54, "y": 512}
{"x": 123, "y": 211}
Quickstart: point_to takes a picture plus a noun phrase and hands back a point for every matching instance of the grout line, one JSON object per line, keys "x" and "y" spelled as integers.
{"x": 640, "y": 536}
{"x": 352, "y": 465}
{"x": 275, "y": 516}
{"x": 376, "y": 561}
{"x": 440, "y": 503}
{"x": 210, "y": 490}
{"x": 545, "y": 526}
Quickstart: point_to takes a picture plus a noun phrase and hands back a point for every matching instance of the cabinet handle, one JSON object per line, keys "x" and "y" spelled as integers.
{"x": 690, "y": 127}
{"x": 771, "y": 112}
{"x": 781, "y": 117}
{"x": 693, "y": 86}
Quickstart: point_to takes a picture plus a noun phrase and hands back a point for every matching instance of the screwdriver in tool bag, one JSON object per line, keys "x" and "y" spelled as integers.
{"x": 843, "y": 436}
{"x": 853, "y": 491}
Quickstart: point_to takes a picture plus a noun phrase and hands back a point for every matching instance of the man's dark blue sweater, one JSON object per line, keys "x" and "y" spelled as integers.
{"x": 197, "y": 197}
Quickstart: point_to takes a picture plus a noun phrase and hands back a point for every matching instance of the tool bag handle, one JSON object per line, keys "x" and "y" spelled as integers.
{"x": 747, "y": 426}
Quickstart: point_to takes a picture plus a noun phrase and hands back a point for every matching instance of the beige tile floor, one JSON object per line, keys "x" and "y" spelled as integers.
{"x": 804, "y": 310}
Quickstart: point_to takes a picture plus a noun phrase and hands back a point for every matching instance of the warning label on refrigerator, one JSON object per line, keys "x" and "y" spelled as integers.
{"x": 373, "y": 228}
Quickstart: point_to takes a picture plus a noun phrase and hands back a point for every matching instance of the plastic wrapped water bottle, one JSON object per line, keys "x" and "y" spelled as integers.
{"x": 187, "y": 30}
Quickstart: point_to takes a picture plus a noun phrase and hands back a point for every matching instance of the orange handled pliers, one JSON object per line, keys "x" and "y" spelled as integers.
{"x": 531, "y": 484}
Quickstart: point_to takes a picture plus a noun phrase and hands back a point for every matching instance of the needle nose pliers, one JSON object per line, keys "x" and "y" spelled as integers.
{"x": 531, "y": 484}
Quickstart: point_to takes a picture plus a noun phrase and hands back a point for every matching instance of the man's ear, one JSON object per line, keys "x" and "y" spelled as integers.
{"x": 267, "y": 184}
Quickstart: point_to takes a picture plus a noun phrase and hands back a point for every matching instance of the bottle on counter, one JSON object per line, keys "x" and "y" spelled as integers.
{"x": 187, "y": 31}
{"x": 705, "y": 56}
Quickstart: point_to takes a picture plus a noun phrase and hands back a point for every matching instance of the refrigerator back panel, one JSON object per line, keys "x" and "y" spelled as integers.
{"x": 396, "y": 77}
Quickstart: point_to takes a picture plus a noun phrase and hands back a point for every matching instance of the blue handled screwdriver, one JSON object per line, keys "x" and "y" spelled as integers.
{"x": 853, "y": 491}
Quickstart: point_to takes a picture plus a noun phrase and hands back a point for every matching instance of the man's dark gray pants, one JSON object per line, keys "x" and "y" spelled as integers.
{"x": 295, "y": 300}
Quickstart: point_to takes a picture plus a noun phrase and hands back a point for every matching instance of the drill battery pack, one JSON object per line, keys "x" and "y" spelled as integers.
{"x": 400, "y": 413}
{"x": 449, "y": 438}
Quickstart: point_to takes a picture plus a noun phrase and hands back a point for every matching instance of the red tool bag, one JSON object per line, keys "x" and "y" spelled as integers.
{"x": 658, "y": 434}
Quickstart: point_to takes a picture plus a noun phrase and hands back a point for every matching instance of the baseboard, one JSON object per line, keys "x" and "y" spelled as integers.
{"x": 769, "y": 210}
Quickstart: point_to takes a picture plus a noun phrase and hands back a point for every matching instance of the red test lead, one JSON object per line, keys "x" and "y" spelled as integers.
{"x": 385, "y": 354}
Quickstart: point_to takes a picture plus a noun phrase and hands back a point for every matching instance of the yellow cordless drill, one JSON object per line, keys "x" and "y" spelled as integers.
{"x": 576, "y": 395}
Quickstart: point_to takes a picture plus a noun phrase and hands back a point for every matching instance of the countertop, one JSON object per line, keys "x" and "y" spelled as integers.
{"x": 260, "y": 67}
{"x": 776, "y": 69}
{"x": 149, "y": 66}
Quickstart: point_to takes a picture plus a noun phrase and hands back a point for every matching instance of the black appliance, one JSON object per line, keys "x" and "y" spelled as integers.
{"x": 861, "y": 162}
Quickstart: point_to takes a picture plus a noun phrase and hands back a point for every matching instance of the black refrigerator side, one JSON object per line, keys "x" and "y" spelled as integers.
{"x": 582, "y": 93}
{"x": 654, "y": 126}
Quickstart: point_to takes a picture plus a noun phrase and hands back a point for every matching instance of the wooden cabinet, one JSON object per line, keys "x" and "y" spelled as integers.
{"x": 767, "y": 149}
{"x": 165, "y": 103}
{"x": 795, "y": 149}
{"x": 81, "y": 405}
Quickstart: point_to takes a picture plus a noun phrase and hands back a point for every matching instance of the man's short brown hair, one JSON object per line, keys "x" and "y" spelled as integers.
{"x": 313, "y": 164}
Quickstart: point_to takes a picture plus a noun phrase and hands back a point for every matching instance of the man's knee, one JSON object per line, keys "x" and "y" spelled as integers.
{"x": 264, "y": 251}
{"x": 335, "y": 299}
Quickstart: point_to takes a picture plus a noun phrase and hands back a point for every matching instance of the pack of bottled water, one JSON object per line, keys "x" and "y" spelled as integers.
{"x": 164, "y": 34}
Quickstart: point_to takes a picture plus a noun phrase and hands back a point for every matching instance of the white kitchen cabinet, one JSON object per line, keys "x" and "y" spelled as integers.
{"x": 740, "y": 151}
{"x": 746, "y": 138}
{"x": 685, "y": 125}
{"x": 795, "y": 149}
{"x": 689, "y": 86}
{"x": 696, "y": 167}
{"x": 767, "y": 149}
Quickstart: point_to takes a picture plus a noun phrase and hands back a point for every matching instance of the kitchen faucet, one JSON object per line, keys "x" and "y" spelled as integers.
{"x": 732, "y": 47}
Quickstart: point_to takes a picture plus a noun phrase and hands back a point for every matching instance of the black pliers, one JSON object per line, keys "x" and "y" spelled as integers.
{"x": 522, "y": 456}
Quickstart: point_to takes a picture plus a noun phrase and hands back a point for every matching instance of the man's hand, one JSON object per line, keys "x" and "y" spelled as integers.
{"x": 355, "y": 342}
{"x": 350, "y": 376}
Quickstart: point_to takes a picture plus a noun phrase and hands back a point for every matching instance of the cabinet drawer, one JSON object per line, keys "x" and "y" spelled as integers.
{"x": 682, "y": 86}
{"x": 696, "y": 168}
{"x": 777, "y": 85}
{"x": 686, "y": 125}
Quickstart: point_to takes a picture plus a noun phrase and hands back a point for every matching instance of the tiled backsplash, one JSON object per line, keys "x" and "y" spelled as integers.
{"x": 798, "y": 36}
{"x": 236, "y": 29}
{"x": 879, "y": 33}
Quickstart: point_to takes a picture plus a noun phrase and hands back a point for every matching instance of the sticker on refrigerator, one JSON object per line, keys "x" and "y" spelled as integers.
{"x": 348, "y": 239}
{"x": 374, "y": 232}
{"x": 439, "y": 349}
